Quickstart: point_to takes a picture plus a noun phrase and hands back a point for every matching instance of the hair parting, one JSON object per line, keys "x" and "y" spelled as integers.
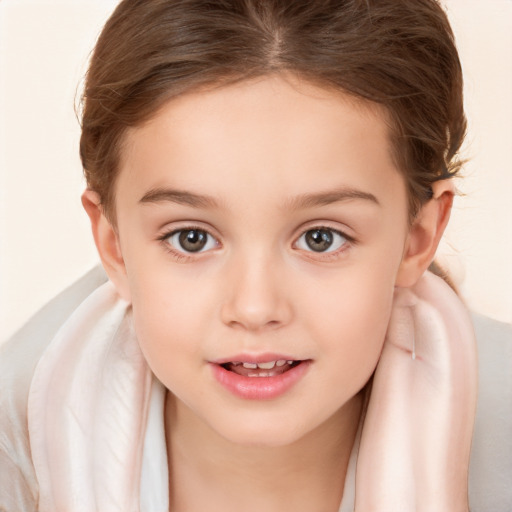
{"x": 398, "y": 54}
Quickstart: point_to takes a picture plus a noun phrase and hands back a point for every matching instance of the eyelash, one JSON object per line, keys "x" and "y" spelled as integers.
{"x": 327, "y": 255}
{"x": 183, "y": 256}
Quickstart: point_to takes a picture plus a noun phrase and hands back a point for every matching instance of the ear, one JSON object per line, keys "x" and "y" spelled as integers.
{"x": 425, "y": 234}
{"x": 107, "y": 243}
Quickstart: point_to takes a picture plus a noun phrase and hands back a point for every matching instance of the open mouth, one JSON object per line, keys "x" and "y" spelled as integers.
{"x": 267, "y": 369}
{"x": 266, "y": 379}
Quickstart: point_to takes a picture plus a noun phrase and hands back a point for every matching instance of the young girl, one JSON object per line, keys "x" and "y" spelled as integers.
{"x": 268, "y": 181}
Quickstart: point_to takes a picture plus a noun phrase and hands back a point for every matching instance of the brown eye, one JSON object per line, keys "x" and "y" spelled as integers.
{"x": 321, "y": 240}
{"x": 191, "y": 240}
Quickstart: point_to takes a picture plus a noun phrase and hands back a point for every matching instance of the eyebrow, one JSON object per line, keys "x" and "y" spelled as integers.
{"x": 329, "y": 197}
{"x": 158, "y": 195}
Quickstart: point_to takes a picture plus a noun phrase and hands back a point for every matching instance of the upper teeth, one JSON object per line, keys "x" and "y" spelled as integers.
{"x": 266, "y": 366}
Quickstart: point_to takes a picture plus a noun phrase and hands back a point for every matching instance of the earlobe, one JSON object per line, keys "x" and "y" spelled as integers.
{"x": 107, "y": 243}
{"x": 425, "y": 234}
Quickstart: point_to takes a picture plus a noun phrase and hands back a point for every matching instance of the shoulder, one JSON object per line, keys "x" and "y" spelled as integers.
{"x": 491, "y": 455}
{"x": 18, "y": 359}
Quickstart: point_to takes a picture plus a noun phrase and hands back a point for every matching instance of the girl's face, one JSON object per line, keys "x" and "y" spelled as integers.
{"x": 262, "y": 222}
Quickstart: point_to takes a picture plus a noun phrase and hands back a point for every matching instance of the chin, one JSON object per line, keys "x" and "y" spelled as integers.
{"x": 264, "y": 437}
{"x": 271, "y": 429}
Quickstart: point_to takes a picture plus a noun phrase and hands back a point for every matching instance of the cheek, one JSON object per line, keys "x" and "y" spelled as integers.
{"x": 355, "y": 313}
{"x": 165, "y": 319}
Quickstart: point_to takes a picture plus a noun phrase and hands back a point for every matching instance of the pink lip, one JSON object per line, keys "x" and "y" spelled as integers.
{"x": 259, "y": 388}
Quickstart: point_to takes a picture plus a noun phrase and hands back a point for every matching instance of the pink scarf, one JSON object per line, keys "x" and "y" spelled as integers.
{"x": 95, "y": 415}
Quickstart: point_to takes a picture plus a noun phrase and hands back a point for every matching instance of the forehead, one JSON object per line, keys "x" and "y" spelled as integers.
{"x": 275, "y": 132}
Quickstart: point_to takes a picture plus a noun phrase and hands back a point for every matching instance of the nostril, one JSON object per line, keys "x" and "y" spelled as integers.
{"x": 253, "y": 324}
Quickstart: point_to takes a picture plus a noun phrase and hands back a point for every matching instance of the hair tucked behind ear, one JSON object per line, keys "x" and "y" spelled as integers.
{"x": 399, "y": 54}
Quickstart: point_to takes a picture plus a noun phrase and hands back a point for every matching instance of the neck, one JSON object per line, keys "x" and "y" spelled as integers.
{"x": 208, "y": 472}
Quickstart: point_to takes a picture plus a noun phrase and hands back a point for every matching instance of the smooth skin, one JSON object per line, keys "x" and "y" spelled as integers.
{"x": 255, "y": 168}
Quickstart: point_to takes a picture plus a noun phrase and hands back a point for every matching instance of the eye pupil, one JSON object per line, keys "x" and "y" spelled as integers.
{"x": 193, "y": 240}
{"x": 319, "y": 239}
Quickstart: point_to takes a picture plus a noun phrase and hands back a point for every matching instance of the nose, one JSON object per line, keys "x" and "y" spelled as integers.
{"x": 256, "y": 296}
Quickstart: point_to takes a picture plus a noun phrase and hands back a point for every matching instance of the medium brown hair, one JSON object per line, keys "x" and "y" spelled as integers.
{"x": 399, "y": 54}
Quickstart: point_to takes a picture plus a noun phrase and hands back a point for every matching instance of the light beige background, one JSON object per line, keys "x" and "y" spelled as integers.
{"x": 45, "y": 242}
